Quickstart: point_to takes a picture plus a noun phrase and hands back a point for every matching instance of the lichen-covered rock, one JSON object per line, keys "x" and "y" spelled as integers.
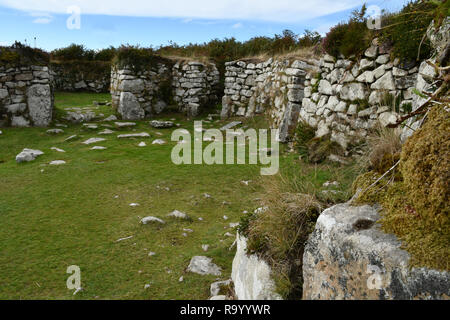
{"x": 129, "y": 107}
{"x": 40, "y": 104}
{"x": 251, "y": 275}
{"x": 348, "y": 257}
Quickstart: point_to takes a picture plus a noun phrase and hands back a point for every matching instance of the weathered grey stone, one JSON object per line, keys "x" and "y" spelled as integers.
{"x": 40, "y": 104}
{"x": 203, "y": 266}
{"x": 19, "y": 121}
{"x": 151, "y": 219}
{"x": 353, "y": 91}
{"x": 216, "y": 287}
{"x": 129, "y": 107}
{"x": 134, "y": 135}
{"x": 133, "y": 86}
{"x": 178, "y": 214}
{"x": 162, "y": 124}
{"x": 93, "y": 140}
{"x": 251, "y": 276}
{"x": 386, "y": 82}
{"x": 349, "y": 257}
{"x": 325, "y": 87}
{"x": 28, "y": 155}
{"x": 57, "y": 162}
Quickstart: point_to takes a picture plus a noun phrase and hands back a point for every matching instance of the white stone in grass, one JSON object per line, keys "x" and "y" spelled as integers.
{"x": 203, "y": 266}
{"x": 178, "y": 214}
{"x": 134, "y": 135}
{"x": 57, "y": 149}
{"x": 110, "y": 118}
{"x": 90, "y": 126}
{"x": 28, "y": 155}
{"x": 205, "y": 247}
{"x": 134, "y": 204}
{"x": 159, "y": 141}
{"x": 55, "y": 131}
{"x": 1, "y": 132}
{"x": 181, "y": 279}
{"x": 228, "y": 234}
{"x": 188, "y": 230}
{"x": 106, "y": 131}
{"x": 217, "y": 286}
{"x": 124, "y": 124}
{"x": 71, "y": 137}
{"x": 98, "y": 148}
{"x": 93, "y": 140}
{"x": 234, "y": 224}
{"x": 245, "y": 182}
{"x": 221, "y": 297}
{"x": 147, "y": 286}
{"x": 151, "y": 254}
{"x": 142, "y": 144}
{"x": 151, "y": 219}
{"x": 57, "y": 162}
{"x": 122, "y": 239}
{"x": 225, "y": 218}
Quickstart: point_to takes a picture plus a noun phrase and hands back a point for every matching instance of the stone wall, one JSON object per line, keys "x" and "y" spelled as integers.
{"x": 191, "y": 86}
{"x": 349, "y": 257}
{"x": 87, "y": 76}
{"x": 26, "y": 96}
{"x": 274, "y": 86}
{"x": 348, "y": 97}
{"x": 342, "y": 98}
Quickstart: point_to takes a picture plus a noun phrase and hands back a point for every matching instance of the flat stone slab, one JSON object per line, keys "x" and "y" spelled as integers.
{"x": 57, "y": 149}
{"x": 55, "y": 131}
{"x": 134, "y": 135}
{"x": 93, "y": 140}
{"x": 151, "y": 219}
{"x": 178, "y": 214}
{"x": 110, "y": 118}
{"x": 71, "y": 137}
{"x": 231, "y": 125}
{"x": 57, "y": 162}
{"x": 142, "y": 144}
{"x": 106, "y": 131}
{"x": 28, "y": 155}
{"x": 98, "y": 148}
{"x": 162, "y": 124}
{"x": 159, "y": 141}
{"x": 124, "y": 124}
{"x": 203, "y": 266}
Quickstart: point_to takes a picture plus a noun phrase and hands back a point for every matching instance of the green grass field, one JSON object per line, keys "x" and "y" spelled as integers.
{"x": 56, "y": 216}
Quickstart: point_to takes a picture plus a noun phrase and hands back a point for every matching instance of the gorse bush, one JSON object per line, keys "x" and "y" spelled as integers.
{"x": 76, "y": 52}
{"x": 19, "y": 54}
{"x": 349, "y": 38}
{"x": 137, "y": 58}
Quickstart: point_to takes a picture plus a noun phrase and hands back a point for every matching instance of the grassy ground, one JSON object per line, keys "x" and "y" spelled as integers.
{"x": 57, "y": 216}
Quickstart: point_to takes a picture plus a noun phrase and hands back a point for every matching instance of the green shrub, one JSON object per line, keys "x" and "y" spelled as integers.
{"x": 320, "y": 148}
{"x": 19, "y": 54}
{"x": 405, "y": 30}
{"x": 303, "y": 134}
{"x": 137, "y": 58}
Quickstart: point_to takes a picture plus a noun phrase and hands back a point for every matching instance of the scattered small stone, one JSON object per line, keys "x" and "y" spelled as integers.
{"x": 159, "y": 141}
{"x": 1, "y": 132}
{"x": 122, "y": 239}
{"x": 200, "y": 219}
{"x": 142, "y": 144}
{"x": 71, "y": 137}
{"x": 225, "y": 218}
{"x": 234, "y": 225}
{"x": 124, "y": 124}
{"x": 150, "y": 219}
{"x": 110, "y": 118}
{"x": 261, "y": 209}
{"x": 184, "y": 234}
{"x": 61, "y": 125}
{"x": 57, "y": 149}
{"x": 93, "y": 140}
{"x": 205, "y": 247}
{"x": 134, "y": 135}
{"x": 57, "y": 162}
{"x": 188, "y": 230}
{"x": 147, "y": 286}
{"x": 159, "y": 134}
{"x": 151, "y": 254}
{"x": 228, "y": 235}
{"x": 98, "y": 148}
{"x": 203, "y": 266}
{"x": 55, "y": 131}
{"x": 207, "y": 196}
{"x": 231, "y": 125}
{"x": 226, "y": 203}
{"x": 161, "y": 124}
{"x": 106, "y": 131}
{"x": 116, "y": 197}
{"x": 181, "y": 279}
{"x": 246, "y": 182}
{"x": 331, "y": 183}
{"x": 90, "y": 126}
{"x": 134, "y": 204}
{"x": 178, "y": 214}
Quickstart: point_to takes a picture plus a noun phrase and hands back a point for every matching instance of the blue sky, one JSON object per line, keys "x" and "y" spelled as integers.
{"x": 154, "y": 23}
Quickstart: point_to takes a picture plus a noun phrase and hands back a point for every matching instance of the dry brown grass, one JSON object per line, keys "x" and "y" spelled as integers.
{"x": 306, "y": 54}
{"x": 382, "y": 149}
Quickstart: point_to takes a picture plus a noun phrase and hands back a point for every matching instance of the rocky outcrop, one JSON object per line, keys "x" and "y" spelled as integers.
{"x": 191, "y": 86}
{"x": 251, "y": 275}
{"x": 349, "y": 257}
{"x": 26, "y": 96}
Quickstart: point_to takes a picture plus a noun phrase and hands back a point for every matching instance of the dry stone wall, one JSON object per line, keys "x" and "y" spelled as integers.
{"x": 138, "y": 95}
{"x": 87, "y": 76}
{"x": 274, "y": 86}
{"x": 26, "y": 96}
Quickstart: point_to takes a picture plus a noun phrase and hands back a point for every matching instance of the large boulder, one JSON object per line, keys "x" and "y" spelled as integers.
{"x": 349, "y": 257}
{"x": 40, "y": 104}
{"x": 129, "y": 107}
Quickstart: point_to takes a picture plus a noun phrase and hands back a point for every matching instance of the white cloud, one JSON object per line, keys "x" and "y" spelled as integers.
{"x": 42, "y": 20}
{"x": 237, "y": 25}
{"x": 268, "y": 10}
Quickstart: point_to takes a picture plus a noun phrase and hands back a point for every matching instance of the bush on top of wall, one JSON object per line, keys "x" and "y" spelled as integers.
{"x": 19, "y": 54}
{"x": 137, "y": 58}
